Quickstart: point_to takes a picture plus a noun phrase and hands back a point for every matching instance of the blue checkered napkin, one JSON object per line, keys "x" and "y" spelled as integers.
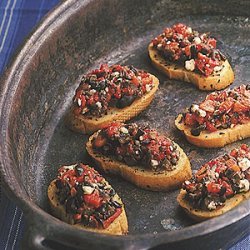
{"x": 17, "y": 19}
{"x": 242, "y": 244}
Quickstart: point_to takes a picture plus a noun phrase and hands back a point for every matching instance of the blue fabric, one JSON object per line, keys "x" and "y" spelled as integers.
{"x": 17, "y": 19}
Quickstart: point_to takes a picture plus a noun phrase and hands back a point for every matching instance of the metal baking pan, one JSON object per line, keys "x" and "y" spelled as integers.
{"x": 37, "y": 90}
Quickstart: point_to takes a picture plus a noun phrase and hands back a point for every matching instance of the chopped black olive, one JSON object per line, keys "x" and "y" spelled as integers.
{"x": 70, "y": 205}
{"x": 225, "y": 125}
{"x": 107, "y": 147}
{"x": 112, "y": 192}
{"x": 131, "y": 67}
{"x": 79, "y": 170}
{"x": 125, "y": 101}
{"x": 146, "y": 141}
{"x": 62, "y": 197}
{"x": 101, "y": 85}
{"x": 59, "y": 184}
{"x": 223, "y": 198}
{"x": 197, "y": 130}
{"x": 129, "y": 160}
{"x": 222, "y": 191}
{"x": 124, "y": 138}
{"x": 183, "y": 57}
{"x": 139, "y": 133}
{"x": 223, "y": 57}
{"x": 174, "y": 161}
{"x": 193, "y": 51}
{"x": 116, "y": 204}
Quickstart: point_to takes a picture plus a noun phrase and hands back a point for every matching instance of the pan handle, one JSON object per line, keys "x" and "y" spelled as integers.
{"x": 41, "y": 234}
{"x": 33, "y": 239}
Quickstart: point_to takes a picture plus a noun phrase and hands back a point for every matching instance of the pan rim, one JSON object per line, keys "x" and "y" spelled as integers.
{"x": 14, "y": 71}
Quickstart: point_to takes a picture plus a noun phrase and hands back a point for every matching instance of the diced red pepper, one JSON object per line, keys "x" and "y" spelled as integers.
{"x": 205, "y": 64}
{"x": 83, "y": 101}
{"x": 91, "y": 100}
{"x": 226, "y": 106}
{"x": 234, "y": 153}
{"x": 229, "y": 190}
{"x": 146, "y": 79}
{"x": 77, "y": 111}
{"x": 107, "y": 222}
{"x": 93, "y": 199}
{"x": 73, "y": 191}
{"x": 104, "y": 67}
{"x": 118, "y": 68}
{"x": 96, "y": 97}
{"x": 187, "y": 50}
{"x": 213, "y": 187}
{"x": 240, "y": 107}
{"x": 112, "y": 129}
{"x": 213, "y": 96}
{"x": 244, "y": 147}
{"x": 135, "y": 81}
{"x": 180, "y": 28}
{"x": 208, "y": 106}
{"x": 212, "y": 42}
{"x": 77, "y": 217}
{"x": 210, "y": 127}
{"x": 200, "y": 119}
{"x": 117, "y": 93}
{"x": 190, "y": 119}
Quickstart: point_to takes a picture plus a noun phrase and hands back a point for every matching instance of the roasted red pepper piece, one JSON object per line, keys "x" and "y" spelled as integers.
{"x": 93, "y": 199}
{"x": 107, "y": 222}
{"x": 213, "y": 187}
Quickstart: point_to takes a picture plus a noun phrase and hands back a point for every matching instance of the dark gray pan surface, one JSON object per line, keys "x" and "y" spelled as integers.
{"x": 149, "y": 211}
{"x": 36, "y": 92}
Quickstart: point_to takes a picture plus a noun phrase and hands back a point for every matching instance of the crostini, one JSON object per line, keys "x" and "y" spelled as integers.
{"x": 218, "y": 186}
{"x": 115, "y": 93}
{"x": 82, "y": 197}
{"x": 140, "y": 155}
{"x": 183, "y": 54}
{"x": 222, "y": 118}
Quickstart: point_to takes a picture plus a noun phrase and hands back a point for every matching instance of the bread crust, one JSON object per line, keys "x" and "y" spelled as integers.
{"x": 146, "y": 179}
{"x": 201, "y": 215}
{"x": 216, "y": 81}
{"x": 215, "y": 139}
{"x": 118, "y": 227}
{"x": 82, "y": 124}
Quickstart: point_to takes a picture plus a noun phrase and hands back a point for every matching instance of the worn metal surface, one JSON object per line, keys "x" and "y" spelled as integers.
{"x": 37, "y": 92}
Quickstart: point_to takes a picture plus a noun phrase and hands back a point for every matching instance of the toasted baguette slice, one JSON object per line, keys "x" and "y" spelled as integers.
{"x": 146, "y": 179}
{"x": 85, "y": 125}
{"x": 214, "y": 139}
{"x": 118, "y": 227}
{"x": 216, "y": 81}
{"x": 200, "y": 215}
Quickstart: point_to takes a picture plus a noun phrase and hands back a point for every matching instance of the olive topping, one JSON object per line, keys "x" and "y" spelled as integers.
{"x": 183, "y": 45}
{"x": 218, "y": 180}
{"x": 116, "y": 204}
{"x": 138, "y": 146}
{"x": 194, "y": 51}
{"x": 86, "y": 196}
{"x": 110, "y": 86}
{"x": 79, "y": 170}
{"x": 197, "y": 130}
{"x": 125, "y": 101}
{"x": 219, "y": 110}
